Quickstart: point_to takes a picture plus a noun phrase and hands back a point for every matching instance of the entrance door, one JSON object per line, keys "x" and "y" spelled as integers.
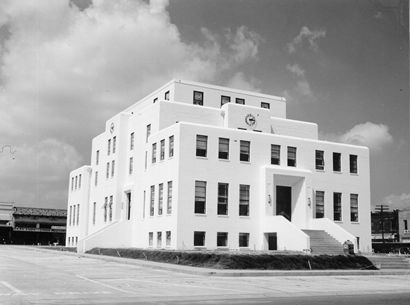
{"x": 284, "y": 201}
{"x": 272, "y": 241}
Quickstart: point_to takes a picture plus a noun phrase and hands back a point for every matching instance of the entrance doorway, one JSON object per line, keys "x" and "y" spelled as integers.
{"x": 284, "y": 201}
{"x": 272, "y": 241}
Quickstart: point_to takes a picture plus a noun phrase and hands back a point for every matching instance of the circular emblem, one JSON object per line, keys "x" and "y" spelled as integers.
{"x": 250, "y": 120}
{"x": 112, "y": 127}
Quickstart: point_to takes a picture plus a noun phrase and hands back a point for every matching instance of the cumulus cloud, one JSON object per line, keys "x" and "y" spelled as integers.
{"x": 301, "y": 90}
{"x": 395, "y": 201}
{"x": 295, "y": 69}
{"x": 65, "y": 70}
{"x": 240, "y": 81}
{"x": 308, "y": 36}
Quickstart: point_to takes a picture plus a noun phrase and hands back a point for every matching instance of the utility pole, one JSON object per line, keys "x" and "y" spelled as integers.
{"x": 381, "y": 208}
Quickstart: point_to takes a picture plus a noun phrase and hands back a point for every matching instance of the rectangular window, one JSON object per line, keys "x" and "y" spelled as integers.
{"x": 319, "y": 160}
{"x": 244, "y": 200}
{"x": 111, "y": 203}
{"x": 265, "y": 105}
{"x": 108, "y": 147}
{"x": 337, "y": 206}
{"x": 97, "y": 157}
{"x": 201, "y": 145}
{"x": 244, "y": 240}
{"x": 160, "y": 198}
{"x": 168, "y": 238}
{"x": 200, "y": 197}
{"x": 143, "y": 204}
{"x": 240, "y": 101}
{"x": 169, "y": 198}
{"x": 319, "y": 204}
{"x": 199, "y": 239}
{"x": 78, "y": 214}
{"x": 222, "y": 239}
{"x": 150, "y": 239}
{"x": 79, "y": 181}
{"x": 107, "y": 170}
{"x": 128, "y": 194}
{"x": 223, "y": 148}
{"x": 131, "y": 166}
{"x": 171, "y": 146}
{"x": 152, "y": 201}
{"x": 225, "y": 99}
{"x": 131, "y": 141}
{"x": 166, "y": 96}
{"x": 146, "y": 159}
{"x": 148, "y": 133}
{"x": 70, "y": 215}
{"x": 105, "y": 209}
{"x": 94, "y": 211}
{"x": 159, "y": 239}
{"x": 223, "y": 198}
{"x": 353, "y": 164}
{"x": 155, "y": 100}
{"x": 198, "y": 98}
{"x": 245, "y": 151}
{"x": 275, "y": 154}
{"x": 76, "y": 181}
{"x": 72, "y": 183}
{"x": 405, "y": 224}
{"x": 354, "y": 207}
{"x": 337, "y": 162}
{"x": 114, "y": 144}
{"x": 74, "y": 207}
{"x": 96, "y": 178}
{"x": 162, "y": 150}
{"x": 154, "y": 153}
{"x": 112, "y": 168}
{"x": 291, "y": 156}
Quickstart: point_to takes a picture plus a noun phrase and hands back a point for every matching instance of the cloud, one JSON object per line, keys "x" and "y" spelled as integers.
{"x": 301, "y": 90}
{"x": 295, "y": 69}
{"x": 240, "y": 81}
{"x": 65, "y": 70}
{"x": 306, "y": 35}
{"x": 395, "y": 201}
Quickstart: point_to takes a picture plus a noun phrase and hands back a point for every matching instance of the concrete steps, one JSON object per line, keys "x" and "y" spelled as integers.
{"x": 390, "y": 262}
{"x": 323, "y": 243}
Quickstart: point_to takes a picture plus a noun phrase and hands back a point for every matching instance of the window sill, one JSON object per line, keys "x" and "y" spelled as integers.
{"x": 224, "y": 160}
{"x": 354, "y": 174}
{"x": 203, "y": 158}
{"x": 223, "y": 216}
{"x": 337, "y": 172}
{"x": 320, "y": 170}
{"x": 200, "y": 247}
{"x": 201, "y": 215}
{"x": 245, "y": 162}
{"x": 338, "y": 221}
{"x": 244, "y": 216}
{"x": 355, "y": 222}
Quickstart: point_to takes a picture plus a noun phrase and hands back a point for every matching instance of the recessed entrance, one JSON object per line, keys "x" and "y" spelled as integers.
{"x": 284, "y": 201}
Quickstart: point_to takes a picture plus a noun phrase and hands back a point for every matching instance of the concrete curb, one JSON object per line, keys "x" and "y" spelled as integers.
{"x": 224, "y": 272}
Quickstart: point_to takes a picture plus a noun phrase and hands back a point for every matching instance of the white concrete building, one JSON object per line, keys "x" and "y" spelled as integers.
{"x": 197, "y": 166}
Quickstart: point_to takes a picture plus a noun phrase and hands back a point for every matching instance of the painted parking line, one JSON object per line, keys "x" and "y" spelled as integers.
{"x": 103, "y": 284}
{"x": 11, "y": 287}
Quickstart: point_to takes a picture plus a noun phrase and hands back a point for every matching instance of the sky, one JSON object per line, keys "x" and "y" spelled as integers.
{"x": 68, "y": 66}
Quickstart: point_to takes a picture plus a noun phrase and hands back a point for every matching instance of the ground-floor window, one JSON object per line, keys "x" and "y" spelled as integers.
{"x": 150, "y": 239}
{"x": 168, "y": 238}
{"x": 159, "y": 239}
{"x": 243, "y": 239}
{"x": 199, "y": 239}
{"x": 222, "y": 239}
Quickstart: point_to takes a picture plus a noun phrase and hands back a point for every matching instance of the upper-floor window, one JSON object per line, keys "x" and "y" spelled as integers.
{"x": 243, "y": 200}
{"x": 97, "y": 157}
{"x": 169, "y": 198}
{"x": 76, "y": 181}
{"x": 200, "y": 197}
{"x": 354, "y": 207}
{"x": 107, "y": 173}
{"x": 201, "y": 145}
{"x": 171, "y": 146}
{"x": 78, "y": 214}
{"x": 108, "y": 146}
{"x": 319, "y": 204}
{"x": 148, "y": 132}
{"x": 70, "y": 215}
{"x": 114, "y": 144}
{"x": 131, "y": 166}
{"x": 166, "y": 96}
{"x": 96, "y": 178}
{"x": 94, "y": 211}
{"x": 337, "y": 162}
{"x": 225, "y": 99}
{"x": 110, "y": 205}
{"x": 79, "y": 181}
{"x": 240, "y": 101}
{"x": 105, "y": 209}
{"x": 245, "y": 151}
{"x": 160, "y": 198}
{"x": 291, "y": 156}
{"x": 112, "y": 168}
{"x": 72, "y": 183}
{"x": 405, "y": 224}
{"x": 131, "y": 141}
{"x": 275, "y": 154}
{"x": 223, "y": 198}
{"x": 319, "y": 160}
{"x": 198, "y": 98}
{"x": 152, "y": 201}
{"x": 223, "y": 152}
{"x": 353, "y": 163}
{"x": 155, "y": 100}
{"x": 162, "y": 150}
{"x": 154, "y": 153}
{"x": 265, "y": 105}
{"x": 337, "y": 206}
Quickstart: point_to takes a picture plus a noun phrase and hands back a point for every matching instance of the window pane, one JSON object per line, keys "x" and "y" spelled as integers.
{"x": 162, "y": 150}
{"x": 353, "y": 164}
{"x": 243, "y": 239}
{"x": 245, "y": 151}
{"x": 148, "y": 132}
{"x": 336, "y": 162}
{"x": 265, "y": 105}
{"x": 198, "y": 98}
{"x": 243, "y": 200}
{"x": 222, "y": 198}
{"x": 131, "y": 166}
{"x": 319, "y": 160}
{"x": 114, "y": 144}
{"x": 171, "y": 146}
{"x": 291, "y": 156}
{"x": 337, "y": 206}
{"x": 354, "y": 207}
{"x": 132, "y": 141}
{"x": 240, "y": 101}
{"x": 225, "y": 99}
{"x": 223, "y": 148}
{"x": 221, "y": 239}
{"x": 199, "y": 239}
{"x": 320, "y": 204}
{"x": 154, "y": 153}
{"x": 159, "y": 239}
{"x": 201, "y": 145}
{"x": 169, "y": 198}
{"x": 152, "y": 201}
{"x": 200, "y": 197}
{"x": 166, "y": 96}
{"x": 160, "y": 198}
{"x": 275, "y": 154}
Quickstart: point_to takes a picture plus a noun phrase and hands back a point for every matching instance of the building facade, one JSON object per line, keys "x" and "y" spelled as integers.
{"x": 197, "y": 166}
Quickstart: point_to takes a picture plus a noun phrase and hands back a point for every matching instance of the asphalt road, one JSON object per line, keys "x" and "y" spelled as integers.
{"x": 29, "y": 276}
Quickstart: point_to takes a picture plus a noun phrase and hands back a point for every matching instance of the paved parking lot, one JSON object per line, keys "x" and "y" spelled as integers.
{"x": 29, "y": 276}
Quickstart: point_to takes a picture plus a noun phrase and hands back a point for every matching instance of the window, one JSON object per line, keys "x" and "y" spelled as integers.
{"x": 336, "y": 162}
{"x": 320, "y": 204}
{"x": 159, "y": 239}
{"x": 114, "y": 144}
{"x": 166, "y": 96}
{"x": 169, "y": 198}
{"x": 96, "y": 178}
{"x": 148, "y": 132}
{"x": 354, "y": 207}
{"x": 112, "y": 168}
{"x": 405, "y": 224}
{"x": 108, "y": 147}
{"x": 131, "y": 141}
{"x": 78, "y": 214}
{"x": 70, "y": 215}
{"x": 353, "y": 164}
{"x": 154, "y": 153}
{"x": 74, "y": 207}
{"x": 265, "y": 105}
{"x": 243, "y": 239}
{"x": 152, "y": 202}
{"x": 105, "y": 209}
{"x": 201, "y": 145}
{"x": 128, "y": 194}
{"x": 94, "y": 211}
{"x": 160, "y": 198}
{"x": 223, "y": 148}
{"x": 275, "y": 154}
{"x": 76, "y": 180}
{"x": 319, "y": 160}
{"x": 97, "y": 157}
{"x": 72, "y": 183}
{"x": 200, "y": 197}
{"x": 131, "y": 166}
{"x": 223, "y": 198}
{"x": 150, "y": 239}
{"x": 198, "y": 98}
{"x": 199, "y": 239}
{"x": 108, "y": 170}
{"x": 240, "y": 101}
{"x": 146, "y": 159}
{"x": 111, "y": 203}
{"x": 337, "y": 206}
{"x": 221, "y": 239}
{"x": 79, "y": 181}
{"x": 155, "y": 100}
{"x": 162, "y": 150}
{"x": 243, "y": 200}
{"x": 143, "y": 204}
{"x": 225, "y": 99}
{"x": 168, "y": 238}
{"x": 291, "y": 156}
{"x": 171, "y": 146}
{"x": 245, "y": 149}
